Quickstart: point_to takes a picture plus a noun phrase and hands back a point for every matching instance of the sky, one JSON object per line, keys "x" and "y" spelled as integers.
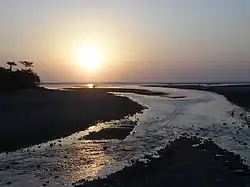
{"x": 142, "y": 40}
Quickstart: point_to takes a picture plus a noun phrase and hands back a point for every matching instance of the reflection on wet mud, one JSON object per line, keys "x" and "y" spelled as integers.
{"x": 63, "y": 161}
{"x": 90, "y": 158}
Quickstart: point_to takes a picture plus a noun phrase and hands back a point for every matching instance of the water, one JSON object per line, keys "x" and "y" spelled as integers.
{"x": 198, "y": 113}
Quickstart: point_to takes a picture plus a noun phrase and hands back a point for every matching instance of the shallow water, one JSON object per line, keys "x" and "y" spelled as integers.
{"x": 72, "y": 158}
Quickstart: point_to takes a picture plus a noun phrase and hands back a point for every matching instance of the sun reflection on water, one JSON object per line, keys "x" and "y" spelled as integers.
{"x": 90, "y": 159}
{"x": 90, "y": 85}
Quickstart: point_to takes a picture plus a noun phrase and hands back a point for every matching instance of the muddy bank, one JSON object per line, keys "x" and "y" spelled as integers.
{"x": 36, "y": 116}
{"x": 117, "y": 130}
{"x": 119, "y": 90}
{"x": 237, "y": 94}
{"x": 185, "y": 162}
{"x": 109, "y": 133}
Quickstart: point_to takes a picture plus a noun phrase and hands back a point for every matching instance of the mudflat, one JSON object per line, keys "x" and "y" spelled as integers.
{"x": 120, "y": 90}
{"x": 34, "y": 116}
{"x": 237, "y": 94}
{"x": 187, "y": 161}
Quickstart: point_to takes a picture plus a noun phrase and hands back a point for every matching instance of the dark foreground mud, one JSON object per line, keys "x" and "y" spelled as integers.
{"x": 185, "y": 162}
{"x": 36, "y": 116}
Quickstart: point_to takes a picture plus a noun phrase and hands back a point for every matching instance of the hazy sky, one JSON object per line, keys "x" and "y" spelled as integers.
{"x": 143, "y": 40}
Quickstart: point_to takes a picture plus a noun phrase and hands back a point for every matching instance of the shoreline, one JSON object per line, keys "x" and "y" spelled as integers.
{"x": 31, "y": 117}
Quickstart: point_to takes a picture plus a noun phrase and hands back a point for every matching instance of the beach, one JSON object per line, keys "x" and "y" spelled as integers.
{"x": 125, "y": 93}
{"x": 173, "y": 140}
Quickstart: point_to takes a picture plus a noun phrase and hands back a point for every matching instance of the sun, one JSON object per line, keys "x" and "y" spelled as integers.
{"x": 90, "y": 58}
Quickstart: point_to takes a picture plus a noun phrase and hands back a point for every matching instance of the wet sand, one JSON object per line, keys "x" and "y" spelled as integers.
{"x": 185, "y": 162}
{"x": 36, "y": 116}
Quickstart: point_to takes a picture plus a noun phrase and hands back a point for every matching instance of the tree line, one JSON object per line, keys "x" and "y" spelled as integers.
{"x": 24, "y": 78}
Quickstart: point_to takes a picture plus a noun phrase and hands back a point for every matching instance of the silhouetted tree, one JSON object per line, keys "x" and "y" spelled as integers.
{"x": 11, "y": 63}
{"x": 27, "y": 64}
{"x": 19, "y": 79}
{"x": 25, "y": 79}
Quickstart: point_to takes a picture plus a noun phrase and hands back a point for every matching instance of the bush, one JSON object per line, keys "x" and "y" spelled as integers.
{"x": 19, "y": 79}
